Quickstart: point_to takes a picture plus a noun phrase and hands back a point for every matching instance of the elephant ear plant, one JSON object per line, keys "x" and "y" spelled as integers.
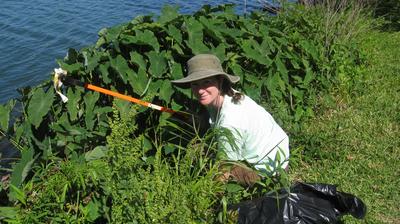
{"x": 278, "y": 68}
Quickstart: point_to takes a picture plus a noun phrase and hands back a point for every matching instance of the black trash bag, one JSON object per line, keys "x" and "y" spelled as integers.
{"x": 303, "y": 204}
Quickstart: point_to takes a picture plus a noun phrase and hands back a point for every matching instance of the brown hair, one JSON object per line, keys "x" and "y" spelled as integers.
{"x": 226, "y": 89}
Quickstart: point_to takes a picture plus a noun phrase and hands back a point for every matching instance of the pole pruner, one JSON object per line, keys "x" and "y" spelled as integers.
{"x": 60, "y": 77}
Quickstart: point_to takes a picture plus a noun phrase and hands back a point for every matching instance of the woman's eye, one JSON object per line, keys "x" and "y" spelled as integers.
{"x": 207, "y": 82}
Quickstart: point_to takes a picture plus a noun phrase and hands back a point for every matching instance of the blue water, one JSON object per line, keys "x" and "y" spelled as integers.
{"x": 33, "y": 34}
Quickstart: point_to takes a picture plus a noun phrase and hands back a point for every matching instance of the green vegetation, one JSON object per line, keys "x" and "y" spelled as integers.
{"x": 354, "y": 140}
{"x": 389, "y": 10}
{"x": 97, "y": 159}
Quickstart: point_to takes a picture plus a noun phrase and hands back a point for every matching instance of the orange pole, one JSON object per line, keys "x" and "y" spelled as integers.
{"x": 128, "y": 98}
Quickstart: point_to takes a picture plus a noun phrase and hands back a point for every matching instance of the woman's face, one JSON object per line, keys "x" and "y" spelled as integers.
{"x": 207, "y": 92}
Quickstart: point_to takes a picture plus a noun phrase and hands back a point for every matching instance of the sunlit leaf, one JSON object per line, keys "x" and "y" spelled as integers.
{"x": 158, "y": 64}
{"x": 90, "y": 101}
{"x": 5, "y": 111}
{"x": 308, "y": 77}
{"x": 231, "y": 32}
{"x": 155, "y": 86}
{"x": 168, "y": 13}
{"x": 232, "y": 188}
{"x": 175, "y": 33}
{"x": 170, "y": 148}
{"x": 254, "y": 51}
{"x": 145, "y": 37}
{"x": 103, "y": 68}
{"x": 139, "y": 82}
{"x": 112, "y": 33}
{"x": 22, "y": 168}
{"x": 91, "y": 60}
{"x": 70, "y": 68}
{"x": 166, "y": 91}
{"x": 212, "y": 29}
{"x": 138, "y": 60}
{"x": 121, "y": 66}
{"x": 176, "y": 71}
{"x": 74, "y": 96}
{"x": 281, "y": 68}
{"x": 309, "y": 48}
{"x": 97, "y": 153}
{"x": 39, "y": 105}
{"x": 195, "y": 36}
{"x": 9, "y": 212}
{"x": 16, "y": 194}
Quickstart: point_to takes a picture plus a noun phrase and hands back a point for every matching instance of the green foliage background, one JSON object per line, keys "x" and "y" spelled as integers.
{"x": 98, "y": 159}
{"x": 389, "y": 10}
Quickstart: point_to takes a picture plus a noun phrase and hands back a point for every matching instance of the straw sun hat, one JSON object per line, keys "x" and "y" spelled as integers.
{"x": 203, "y": 66}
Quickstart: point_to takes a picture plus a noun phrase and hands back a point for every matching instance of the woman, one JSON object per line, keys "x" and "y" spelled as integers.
{"x": 251, "y": 134}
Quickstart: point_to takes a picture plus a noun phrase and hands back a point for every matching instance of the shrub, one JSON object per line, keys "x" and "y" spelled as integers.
{"x": 149, "y": 167}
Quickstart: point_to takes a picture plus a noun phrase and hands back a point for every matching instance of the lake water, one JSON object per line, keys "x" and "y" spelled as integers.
{"x": 33, "y": 34}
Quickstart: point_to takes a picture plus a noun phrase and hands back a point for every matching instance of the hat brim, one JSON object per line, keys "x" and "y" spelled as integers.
{"x": 199, "y": 75}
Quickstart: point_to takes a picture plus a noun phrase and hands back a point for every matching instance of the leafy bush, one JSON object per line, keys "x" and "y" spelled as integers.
{"x": 137, "y": 164}
{"x": 159, "y": 188}
{"x": 141, "y": 57}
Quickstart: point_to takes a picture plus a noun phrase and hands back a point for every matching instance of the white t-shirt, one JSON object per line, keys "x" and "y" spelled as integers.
{"x": 257, "y": 137}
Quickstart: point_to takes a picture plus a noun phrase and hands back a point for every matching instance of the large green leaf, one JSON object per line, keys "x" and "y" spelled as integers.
{"x": 97, "y": 153}
{"x": 16, "y": 194}
{"x": 253, "y": 50}
{"x": 168, "y": 13}
{"x": 273, "y": 83}
{"x": 176, "y": 71}
{"x": 74, "y": 96}
{"x": 309, "y": 48}
{"x": 166, "y": 91}
{"x": 91, "y": 60}
{"x": 120, "y": 64}
{"x": 211, "y": 27}
{"x": 8, "y": 212}
{"x": 145, "y": 37}
{"x": 230, "y": 32}
{"x": 138, "y": 60}
{"x": 158, "y": 64}
{"x": 70, "y": 68}
{"x": 175, "y": 33}
{"x": 139, "y": 82}
{"x": 5, "y": 114}
{"x": 22, "y": 168}
{"x": 195, "y": 36}
{"x": 232, "y": 187}
{"x": 111, "y": 34}
{"x": 105, "y": 75}
{"x": 39, "y": 105}
{"x": 281, "y": 68}
{"x": 90, "y": 102}
{"x": 308, "y": 78}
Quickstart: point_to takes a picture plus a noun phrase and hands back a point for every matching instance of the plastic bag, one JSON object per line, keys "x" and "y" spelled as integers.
{"x": 303, "y": 204}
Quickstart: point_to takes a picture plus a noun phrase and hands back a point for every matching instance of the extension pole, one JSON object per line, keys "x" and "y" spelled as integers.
{"x": 69, "y": 80}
